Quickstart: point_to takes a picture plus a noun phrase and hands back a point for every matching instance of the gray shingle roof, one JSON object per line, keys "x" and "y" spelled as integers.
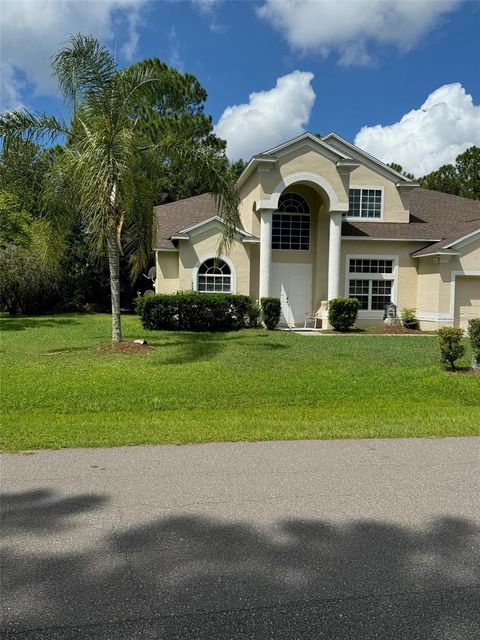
{"x": 438, "y": 217}
{"x": 176, "y": 216}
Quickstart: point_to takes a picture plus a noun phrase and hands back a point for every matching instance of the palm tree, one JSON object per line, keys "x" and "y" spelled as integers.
{"x": 123, "y": 131}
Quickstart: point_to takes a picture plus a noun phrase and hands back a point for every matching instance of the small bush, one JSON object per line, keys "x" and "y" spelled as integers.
{"x": 474, "y": 335}
{"x": 194, "y": 311}
{"x": 409, "y": 318}
{"x": 451, "y": 346}
{"x": 342, "y": 313}
{"x": 254, "y": 315}
{"x": 271, "y": 311}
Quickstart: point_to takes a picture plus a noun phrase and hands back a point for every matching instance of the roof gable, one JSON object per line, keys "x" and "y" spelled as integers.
{"x": 214, "y": 222}
{"x": 343, "y": 145}
{"x": 305, "y": 140}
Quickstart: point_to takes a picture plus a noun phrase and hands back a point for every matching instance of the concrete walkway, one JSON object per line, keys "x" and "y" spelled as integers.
{"x": 282, "y": 540}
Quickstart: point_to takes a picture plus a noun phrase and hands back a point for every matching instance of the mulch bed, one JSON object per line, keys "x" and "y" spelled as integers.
{"x": 394, "y": 328}
{"x": 123, "y": 347}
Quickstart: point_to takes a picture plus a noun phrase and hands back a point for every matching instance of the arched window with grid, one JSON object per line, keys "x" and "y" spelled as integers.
{"x": 291, "y": 223}
{"x": 214, "y": 276}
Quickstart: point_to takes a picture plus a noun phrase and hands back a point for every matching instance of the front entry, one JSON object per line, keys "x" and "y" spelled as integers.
{"x": 292, "y": 283}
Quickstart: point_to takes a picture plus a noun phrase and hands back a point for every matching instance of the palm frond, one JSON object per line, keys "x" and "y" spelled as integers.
{"x": 35, "y": 127}
{"x": 81, "y": 66}
{"x": 210, "y": 165}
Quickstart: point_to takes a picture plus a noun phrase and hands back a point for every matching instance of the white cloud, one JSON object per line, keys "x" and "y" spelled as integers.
{"x": 347, "y": 27}
{"x": 206, "y": 6}
{"x": 446, "y": 124}
{"x": 269, "y": 117}
{"x": 175, "y": 59}
{"x": 32, "y": 30}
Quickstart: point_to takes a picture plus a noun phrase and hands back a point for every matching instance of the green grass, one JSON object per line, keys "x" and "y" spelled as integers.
{"x": 251, "y": 385}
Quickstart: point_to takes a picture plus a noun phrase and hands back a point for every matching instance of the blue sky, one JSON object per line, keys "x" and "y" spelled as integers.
{"x": 372, "y": 62}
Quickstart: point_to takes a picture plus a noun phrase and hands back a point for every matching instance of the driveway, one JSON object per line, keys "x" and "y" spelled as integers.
{"x": 280, "y": 540}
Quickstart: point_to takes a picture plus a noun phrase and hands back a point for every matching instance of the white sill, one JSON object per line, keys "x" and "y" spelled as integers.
{"x": 370, "y": 315}
{"x": 355, "y": 218}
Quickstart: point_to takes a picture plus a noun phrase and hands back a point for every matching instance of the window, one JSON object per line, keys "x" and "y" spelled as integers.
{"x": 365, "y": 203}
{"x": 291, "y": 223}
{"x": 214, "y": 276}
{"x": 371, "y": 281}
{"x": 367, "y": 265}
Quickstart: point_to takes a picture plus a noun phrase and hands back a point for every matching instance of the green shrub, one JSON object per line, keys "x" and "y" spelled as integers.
{"x": 194, "y": 311}
{"x": 474, "y": 335}
{"x": 409, "y": 318}
{"x": 271, "y": 311}
{"x": 342, "y": 313}
{"x": 451, "y": 345}
{"x": 254, "y": 315}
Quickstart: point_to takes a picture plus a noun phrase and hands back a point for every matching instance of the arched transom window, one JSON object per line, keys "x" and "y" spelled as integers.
{"x": 291, "y": 223}
{"x": 214, "y": 276}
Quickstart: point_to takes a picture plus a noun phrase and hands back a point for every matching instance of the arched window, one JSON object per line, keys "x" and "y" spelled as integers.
{"x": 214, "y": 276}
{"x": 291, "y": 223}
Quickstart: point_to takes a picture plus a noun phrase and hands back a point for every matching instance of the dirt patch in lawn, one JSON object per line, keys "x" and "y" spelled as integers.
{"x": 463, "y": 371}
{"x": 123, "y": 347}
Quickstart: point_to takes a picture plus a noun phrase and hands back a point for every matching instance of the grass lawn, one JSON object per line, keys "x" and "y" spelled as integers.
{"x": 58, "y": 391}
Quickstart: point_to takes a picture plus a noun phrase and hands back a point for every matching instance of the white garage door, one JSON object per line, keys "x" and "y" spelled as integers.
{"x": 467, "y": 300}
{"x": 292, "y": 283}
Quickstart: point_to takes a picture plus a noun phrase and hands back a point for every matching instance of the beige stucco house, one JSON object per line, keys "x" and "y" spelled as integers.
{"x": 320, "y": 218}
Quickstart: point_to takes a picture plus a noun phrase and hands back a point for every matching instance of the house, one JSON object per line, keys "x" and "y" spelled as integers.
{"x": 320, "y": 218}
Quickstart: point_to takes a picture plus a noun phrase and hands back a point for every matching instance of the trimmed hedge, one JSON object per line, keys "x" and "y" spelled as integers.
{"x": 194, "y": 311}
{"x": 271, "y": 311}
{"x": 342, "y": 313}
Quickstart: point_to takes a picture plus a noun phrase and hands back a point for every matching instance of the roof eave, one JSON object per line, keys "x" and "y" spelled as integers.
{"x": 366, "y": 155}
{"x": 254, "y": 162}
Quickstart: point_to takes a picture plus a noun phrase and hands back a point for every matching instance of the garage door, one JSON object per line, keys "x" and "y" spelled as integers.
{"x": 467, "y": 299}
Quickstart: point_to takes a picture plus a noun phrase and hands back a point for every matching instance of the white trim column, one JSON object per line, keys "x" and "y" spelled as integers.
{"x": 265, "y": 252}
{"x": 334, "y": 254}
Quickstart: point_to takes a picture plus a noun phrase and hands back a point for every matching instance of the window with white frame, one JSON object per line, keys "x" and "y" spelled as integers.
{"x": 372, "y": 281}
{"x": 214, "y": 276}
{"x": 365, "y": 203}
{"x": 291, "y": 223}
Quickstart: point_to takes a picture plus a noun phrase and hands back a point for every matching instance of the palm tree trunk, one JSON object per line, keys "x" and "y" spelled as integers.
{"x": 114, "y": 266}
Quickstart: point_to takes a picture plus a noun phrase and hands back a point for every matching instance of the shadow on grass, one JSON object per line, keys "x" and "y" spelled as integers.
{"x": 20, "y": 323}
{"x": 189, "y": 577}
{"x": 191, "y": 347}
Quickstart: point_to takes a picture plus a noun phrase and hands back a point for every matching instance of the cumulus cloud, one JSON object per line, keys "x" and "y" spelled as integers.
{"x": 348, "y": 27}
{"x": 31, "y": 31}
{"x": 269, "y": 117}
{"x": 444, "y": 126}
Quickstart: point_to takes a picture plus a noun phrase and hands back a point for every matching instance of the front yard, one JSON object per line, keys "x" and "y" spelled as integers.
{"x": 58, "y": 391}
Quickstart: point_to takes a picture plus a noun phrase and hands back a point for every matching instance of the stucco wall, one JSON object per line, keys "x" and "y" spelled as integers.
{"x": 304, "y": 160}
{"x": 205, "y": 245}
{"x": 249, "y": 193}
{"x": 167, "y": 272}
{"x": 436, "y": 293}
{"x": 395, "y": 205}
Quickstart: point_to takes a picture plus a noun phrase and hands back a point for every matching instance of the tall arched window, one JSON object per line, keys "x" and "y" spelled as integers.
{"x": 291, "y": 223}
{"x": 214, "y": 276}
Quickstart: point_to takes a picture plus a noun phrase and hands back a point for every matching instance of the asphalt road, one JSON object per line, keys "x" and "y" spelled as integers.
{"x": 369, "y": 539}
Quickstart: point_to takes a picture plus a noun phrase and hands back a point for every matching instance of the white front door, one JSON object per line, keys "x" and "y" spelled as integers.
{"x": 292, "y": 283}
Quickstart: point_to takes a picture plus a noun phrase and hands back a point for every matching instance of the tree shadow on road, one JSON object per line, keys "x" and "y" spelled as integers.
{"x": 194, "y": 577}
